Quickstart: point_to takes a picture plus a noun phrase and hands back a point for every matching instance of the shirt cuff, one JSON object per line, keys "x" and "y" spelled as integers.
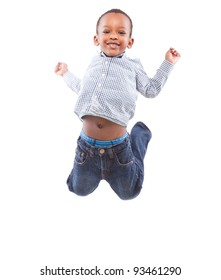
{"x": 68, "y": 77}
{"x": 166, "y": 67}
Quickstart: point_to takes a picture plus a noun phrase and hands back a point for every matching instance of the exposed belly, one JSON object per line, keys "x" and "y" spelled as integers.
{"x": 102, "y": 129}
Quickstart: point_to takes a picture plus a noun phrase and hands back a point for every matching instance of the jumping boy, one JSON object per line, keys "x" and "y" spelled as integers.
{"x": 106, "y": 102}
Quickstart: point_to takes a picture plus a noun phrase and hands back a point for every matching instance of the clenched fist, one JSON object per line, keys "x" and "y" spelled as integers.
{"x": 61, "y": 68}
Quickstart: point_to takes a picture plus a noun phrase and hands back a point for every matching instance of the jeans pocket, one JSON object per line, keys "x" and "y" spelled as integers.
{"x": 80, "y": 156}
{"x": 124, "y": 156}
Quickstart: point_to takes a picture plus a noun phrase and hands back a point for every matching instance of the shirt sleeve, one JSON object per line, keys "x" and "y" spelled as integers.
{"x": 151, "y": 87}
{"x": 73, "y": 82}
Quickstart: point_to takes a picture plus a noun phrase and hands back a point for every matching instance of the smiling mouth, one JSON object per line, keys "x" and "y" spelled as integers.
{"x": 113, "y": 44}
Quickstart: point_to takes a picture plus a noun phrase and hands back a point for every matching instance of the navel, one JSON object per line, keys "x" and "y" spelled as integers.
{"x": 99, "y": 125}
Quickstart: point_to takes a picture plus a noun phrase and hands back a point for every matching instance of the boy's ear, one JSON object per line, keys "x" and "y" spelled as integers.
{"x": 96, "y": 42}
{"x": 130, "y": 43}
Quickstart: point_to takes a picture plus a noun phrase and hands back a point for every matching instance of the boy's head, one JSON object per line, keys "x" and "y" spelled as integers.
{"x": 117, "y": 11}
{"x": 113, "y": 32}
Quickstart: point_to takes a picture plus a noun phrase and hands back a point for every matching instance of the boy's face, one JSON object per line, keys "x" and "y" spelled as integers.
{"x": 114, "y": 34}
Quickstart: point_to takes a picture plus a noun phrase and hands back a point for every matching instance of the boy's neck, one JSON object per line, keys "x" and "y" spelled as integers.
{"x": 119, "y": 55}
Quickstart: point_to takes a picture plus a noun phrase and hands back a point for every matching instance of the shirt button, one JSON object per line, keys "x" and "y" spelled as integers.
{"x": 102, "y": 151}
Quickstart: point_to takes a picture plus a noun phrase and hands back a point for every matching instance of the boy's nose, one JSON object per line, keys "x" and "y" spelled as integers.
{"x": 113, "y": 35}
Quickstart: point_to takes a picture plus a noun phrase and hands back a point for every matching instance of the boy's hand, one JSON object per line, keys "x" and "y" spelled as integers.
{"x": 172, "y": 56}
{"x": 61, "y": 68}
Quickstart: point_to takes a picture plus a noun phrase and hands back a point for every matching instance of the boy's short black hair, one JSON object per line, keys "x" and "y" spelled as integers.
{"x": 117, "y": 11}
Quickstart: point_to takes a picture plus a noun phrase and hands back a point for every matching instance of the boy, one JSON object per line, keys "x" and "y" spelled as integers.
{"x": 106, "y": 102}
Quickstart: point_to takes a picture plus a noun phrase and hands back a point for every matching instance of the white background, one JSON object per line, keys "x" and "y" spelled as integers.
{"x": 175, "y": 221}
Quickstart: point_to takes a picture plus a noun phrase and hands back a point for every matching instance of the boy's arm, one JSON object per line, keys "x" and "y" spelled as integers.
{"x": 71, "y": 80}
{"x": 151, "y": 87}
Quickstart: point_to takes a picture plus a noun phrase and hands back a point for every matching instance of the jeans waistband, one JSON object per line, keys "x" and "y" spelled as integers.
{"x": 103, "y": 144}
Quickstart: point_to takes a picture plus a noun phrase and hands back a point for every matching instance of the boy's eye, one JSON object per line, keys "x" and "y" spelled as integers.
{"x": 119, "y": 32}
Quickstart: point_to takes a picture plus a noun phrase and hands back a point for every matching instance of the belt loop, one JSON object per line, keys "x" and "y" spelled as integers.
{"x": 91, "y": 151}
{"x": 110, "y": 153}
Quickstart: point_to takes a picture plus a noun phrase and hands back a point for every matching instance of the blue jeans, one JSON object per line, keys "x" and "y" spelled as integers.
{"x": 121, "y": 165}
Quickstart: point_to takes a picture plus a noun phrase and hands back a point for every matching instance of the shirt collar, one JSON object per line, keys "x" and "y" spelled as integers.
{"x": 118, "y": 56}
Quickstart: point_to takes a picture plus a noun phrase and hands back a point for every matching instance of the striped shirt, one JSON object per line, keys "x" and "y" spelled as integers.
{"x": 110, "y": 87}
